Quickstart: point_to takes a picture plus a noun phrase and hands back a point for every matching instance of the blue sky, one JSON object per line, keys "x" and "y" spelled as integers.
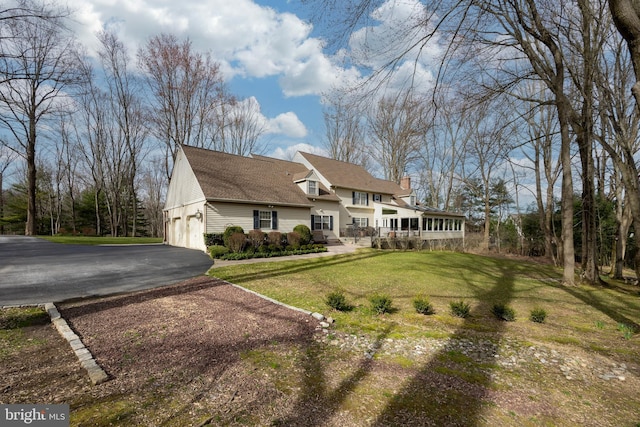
{"x": 267, "y": 50}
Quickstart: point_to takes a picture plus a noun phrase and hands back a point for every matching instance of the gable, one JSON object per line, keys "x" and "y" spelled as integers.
{"x": 183, "y": 186}
{"x": 347, "y": 175}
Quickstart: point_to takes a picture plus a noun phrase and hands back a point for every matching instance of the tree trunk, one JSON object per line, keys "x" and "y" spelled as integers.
{"x": 568, "y": 252}
{"x": 30, "y": 226}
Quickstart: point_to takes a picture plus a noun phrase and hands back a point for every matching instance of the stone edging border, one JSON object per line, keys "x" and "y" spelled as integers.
{"x": 96, "y": 374}
{"x": 324, "y": 321}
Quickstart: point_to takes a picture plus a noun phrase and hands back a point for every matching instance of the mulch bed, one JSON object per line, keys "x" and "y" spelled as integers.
{"x": 183, "y": 345}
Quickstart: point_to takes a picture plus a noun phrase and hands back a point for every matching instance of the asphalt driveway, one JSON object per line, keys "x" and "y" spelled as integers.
{"x": 34, "y": 271}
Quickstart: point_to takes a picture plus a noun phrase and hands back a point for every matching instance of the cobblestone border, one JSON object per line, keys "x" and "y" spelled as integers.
{"x": 96, "y": 374}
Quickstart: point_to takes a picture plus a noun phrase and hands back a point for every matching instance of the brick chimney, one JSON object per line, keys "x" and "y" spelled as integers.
{"x": 405, "y": 182}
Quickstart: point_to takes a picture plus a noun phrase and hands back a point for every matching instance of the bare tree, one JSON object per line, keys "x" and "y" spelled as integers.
{"x": 91, "y": 138}
{"x": 442, "y": 153}
{"x": 542, "y": 150}
{"x": 244, "y": 127}
{"x": 153, "y": 186}
{"x": 185, "y": 86}
{"x": 619, "y": 136}
{"x": 488, "y": 148}
{"x": 7, "y": 157}
{"x": 344, "y": 131}
{"x": 397, "y": 126}
{"x": 40, "y": 63}
{"x": 129, "y": 129}
{"x": 626, "y": 16}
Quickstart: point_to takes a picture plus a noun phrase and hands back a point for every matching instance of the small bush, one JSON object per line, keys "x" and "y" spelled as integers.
{"x": 229, "y": 231}
{"x": 237, "y": 242}
{"x": 211, "y": 239}
{"x": 380, "y": 304}
{"x": 338, "y": 301}
{"x": 293, "y": 240}
{"x": 275, "y": 240}
{"x": 504, "y": 312}
{"x": 422, "y": 305}
{"x": 538, "y": 315}
{"x": 256, "y": 238}
{"x": 627, "y": 330}
{"x": 217, "y": 251}
{"x": 460, "y": 308}
{"x": 304, "y": 232}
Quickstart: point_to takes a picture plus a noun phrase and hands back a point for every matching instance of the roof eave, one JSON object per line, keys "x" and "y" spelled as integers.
{"x": 258, "y": 202}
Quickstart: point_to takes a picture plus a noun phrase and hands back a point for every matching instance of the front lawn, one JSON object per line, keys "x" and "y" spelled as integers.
{"x": 578, "y": 367}
{"x": 589, "y": 315}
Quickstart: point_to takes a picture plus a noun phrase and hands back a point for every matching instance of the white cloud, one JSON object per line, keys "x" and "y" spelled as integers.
{"x": 287, "y": 153}
{"x": 248, "y": 40}
{"x": 287, "y": 124}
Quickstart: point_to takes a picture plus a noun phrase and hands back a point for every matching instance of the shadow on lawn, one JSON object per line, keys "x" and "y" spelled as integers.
{"x": 283, "y": 268}
{"x": 438, "y": 393}
{"x": 605, "y": 308}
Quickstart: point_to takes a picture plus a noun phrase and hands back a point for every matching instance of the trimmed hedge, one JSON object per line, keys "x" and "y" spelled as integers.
{"x": 308, "y": 249}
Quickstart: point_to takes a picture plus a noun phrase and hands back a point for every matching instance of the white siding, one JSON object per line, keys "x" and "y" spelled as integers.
{"x": 183, "y": 187}
{"x": 221, "y": 215}
{"x": 330, "y": 209}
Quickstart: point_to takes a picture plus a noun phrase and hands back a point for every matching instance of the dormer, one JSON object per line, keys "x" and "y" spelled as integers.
{"x": 309, "y": 183}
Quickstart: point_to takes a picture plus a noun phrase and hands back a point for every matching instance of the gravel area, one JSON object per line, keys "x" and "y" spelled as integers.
{"x": 508, "y": 354}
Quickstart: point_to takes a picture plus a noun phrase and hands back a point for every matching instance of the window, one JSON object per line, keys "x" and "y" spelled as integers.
{"x": 377, "y": 197}
{"x": 361, "y": 222}
{"x": 312, "y": 187}
{"x": 360, "y": 198}
{"x": 414, "y": 224}
{"x": 321, "y": 222}
{"x": 412, "y": 200}
{"x": 265, "y": 220}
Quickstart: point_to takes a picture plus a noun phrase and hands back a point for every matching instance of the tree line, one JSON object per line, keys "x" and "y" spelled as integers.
{"x": 89, "y": 142}
{"x": 546, "y": 87}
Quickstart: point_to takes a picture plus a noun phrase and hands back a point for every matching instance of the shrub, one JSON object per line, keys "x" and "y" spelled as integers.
{"x": 216, "y": 251}
{"x": 504, "y": 312}
{"x": 237, "y": 242}
{"x": 211, "y": 239}
{"x": 460, "y": 308}
{"x": 275, "y": 239}
{"x": 380, "y": 304}
{"x": 293, "y": 239}
{"x": 338, "y": 301}
{"x": 229, "y": 231}
{"x": 538, "y": 315}
{"x": 627, "y": 330}
{"x": 304, "y": 232}
{"x": 422, "y": 305}
{"x": 256, "y": 238}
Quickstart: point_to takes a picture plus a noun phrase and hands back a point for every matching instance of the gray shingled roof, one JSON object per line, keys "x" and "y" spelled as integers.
{"x": 224, "y": 176}
{"x": 299, "y": 171}
{"x": 347, "y": 175}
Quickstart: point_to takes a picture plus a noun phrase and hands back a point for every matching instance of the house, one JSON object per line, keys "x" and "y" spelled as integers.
{"x": 211, "y": 190}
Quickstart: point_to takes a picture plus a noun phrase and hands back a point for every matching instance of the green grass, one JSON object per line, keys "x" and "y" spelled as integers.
{"x": 12, "y": 323}
{"x": 96, "y": 240}
{"x": 481, "y": 281}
